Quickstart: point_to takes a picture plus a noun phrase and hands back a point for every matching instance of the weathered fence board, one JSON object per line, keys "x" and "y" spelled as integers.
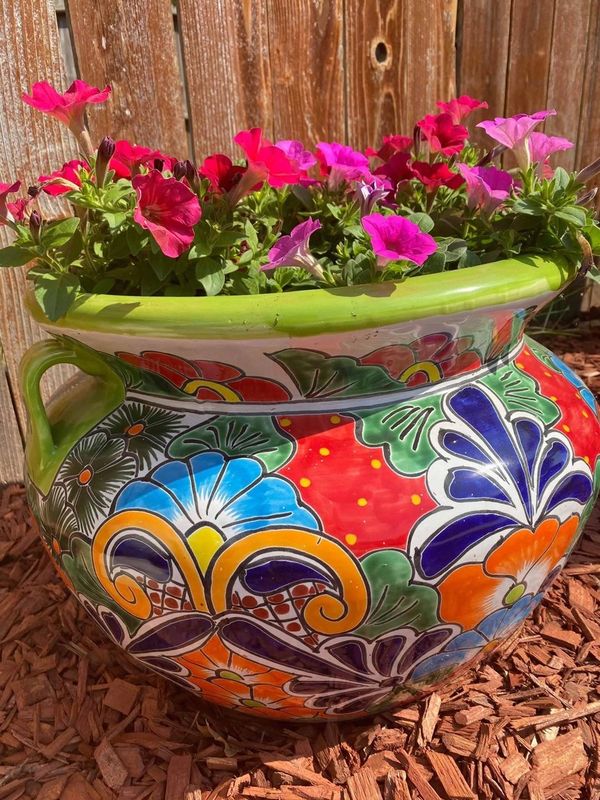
{"x": 130, "y": 44}
{"x": 226, "y": 55}
{"x": 29, "y": 145}
{"x": 346, "y": 70}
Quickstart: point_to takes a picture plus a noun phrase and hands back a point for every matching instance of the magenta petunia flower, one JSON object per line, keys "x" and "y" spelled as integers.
{"x": 293, "y": 250}
{"x": 397, "y": 239}
{"x": 220, "y": 171}
{"x": 266, "y": 160}
{"x": 542, "y": 146}
{"x": 57, "y": 182}
{"x": 168, "y": 209}
{"x": 434, "y": 176}
{"x": 442, "y": 135}
{"x": 514, "y": 132}
{"x": 68, "y": 107}
{"x": 461, "y": 107}
{"x": 397, "y": 170}
{"x": 128, "y": 158}
{"x": 294, "y": 150}
{"x": 487, "y": 187}
{"x": 341, "y": 164}
{"x": 391, "y": 145}
{"x": 6, "y": 208}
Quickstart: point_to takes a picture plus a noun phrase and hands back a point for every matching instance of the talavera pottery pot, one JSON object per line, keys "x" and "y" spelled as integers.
{"x": 318, "y": 504}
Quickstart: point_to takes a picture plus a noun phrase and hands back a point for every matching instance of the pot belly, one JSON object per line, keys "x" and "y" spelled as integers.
{"x": 325, "y": 561}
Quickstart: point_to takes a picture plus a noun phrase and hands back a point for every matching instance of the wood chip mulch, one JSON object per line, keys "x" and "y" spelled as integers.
{"x": 80, "y": 721}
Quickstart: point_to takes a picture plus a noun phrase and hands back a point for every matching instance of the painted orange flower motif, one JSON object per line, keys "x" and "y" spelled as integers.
{"x": 516, "y": 567}
{"x": 234, "y": 681}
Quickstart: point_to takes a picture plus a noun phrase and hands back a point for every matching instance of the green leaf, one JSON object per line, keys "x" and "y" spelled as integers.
{"x": 318, "y": 375}
{"x": 423, "y": 220}
{"x": 209, "y": 273}
{"x": 12, "y": 256}
{"x": 236, "y": 435}
{"x": 572, "y": 214}
{"x": 593, "y": 234}
{"x": 55, "y": 292}
{"x": 396, "y": 602}
{"x": 561, "y": 178}
{"x": 227, "y": 238}
{"x": 251, "y": 235}
{"x": 58, "y": 234}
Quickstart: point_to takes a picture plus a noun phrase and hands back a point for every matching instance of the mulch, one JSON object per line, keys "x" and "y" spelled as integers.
{"x": 79, "y": 720}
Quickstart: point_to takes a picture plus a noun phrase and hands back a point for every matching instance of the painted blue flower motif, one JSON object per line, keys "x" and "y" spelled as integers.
{"x": 465, "y": 647}
{"x": 586, "y": 394}
{"x": 233, "y": 495}
{"x": 496, "y": 470}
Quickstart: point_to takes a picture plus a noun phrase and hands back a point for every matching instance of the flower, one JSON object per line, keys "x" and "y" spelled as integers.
{"x": 541, "y": 147}
{"x": 9, "y": 212}
{"x": 517, "y": 566}
{"x": 484, "y": 638}
{"x": 341, "y": 163}
{"x": 461, "y": 107}
{"x": 294, "y": 150}
{"x": 265, "y": 161}
{"x": 92, "y": 474}
{"x": 442, "y": 134}
{"x": 433, "y": 176}
{"x": 367, "y": 195}
{"x": 487, "y": 187}
{"x": 57, "y": 182}
{"x": 207, "y": 380}
{"x": 69, "y": 107}
{"x": 398, "y": 239}
{"x": 346, "y": 675}
{"x": 514, "y": 132}
{"x": 128, "y": 158}
{"x": 233, "y": 680}
{"x": 390, "y": 146}
{"x": 292, "y": 250}
{"x": 397, "y": 169}
{"x": 221, "y": 173}
{"x": 168, "y": 209}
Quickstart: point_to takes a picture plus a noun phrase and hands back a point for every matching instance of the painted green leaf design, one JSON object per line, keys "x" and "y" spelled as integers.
{"x": 402, "y": 429}
{"x": 396, "y": 602}
{"x": 519, "y": 392}
{"x": 236, "y": 435}
{"x": 319, "y": 375}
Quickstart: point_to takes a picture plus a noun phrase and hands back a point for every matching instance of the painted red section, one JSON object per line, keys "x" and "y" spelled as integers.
{"x": 359, "y": 498}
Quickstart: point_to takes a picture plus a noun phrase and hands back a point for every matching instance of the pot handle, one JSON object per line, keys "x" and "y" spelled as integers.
{"x": 47, "y": 445}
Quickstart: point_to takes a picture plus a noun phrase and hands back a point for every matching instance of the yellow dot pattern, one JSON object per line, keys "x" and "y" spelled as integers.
{"x": 566, "y": 429}
{"x": 335, "y": 420}
{"x": 362, "y": 502}
{"x": 285, "y": 422}
{"x": 376, "y": 463}
{"x": 305, "y": 482}
{"x": 324, "y": 451}
{"x": 351, "y": 539}
{"x": 415, "y": 499}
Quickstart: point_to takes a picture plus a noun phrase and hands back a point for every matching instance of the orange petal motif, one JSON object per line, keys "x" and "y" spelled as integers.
{"x": 468, "y": 594}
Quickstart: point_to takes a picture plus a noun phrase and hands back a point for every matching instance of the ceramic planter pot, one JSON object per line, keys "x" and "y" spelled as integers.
{"x": 313, "y": 505}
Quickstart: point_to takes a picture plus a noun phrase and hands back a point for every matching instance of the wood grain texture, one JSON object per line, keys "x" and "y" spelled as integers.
{"x": 11, "y": 447}
{"x": 529, "y": 56}
{"x": 400, "y": 60}
{"x": 307, "y": 70}
{"x": 588, "y": 142}
{"x": 226, "y": 55}
{"x": 130, "y": 44}
{"x": 30, "y": 145}
{"x": 567, "y": 72}
{"x": 482, "y": 53}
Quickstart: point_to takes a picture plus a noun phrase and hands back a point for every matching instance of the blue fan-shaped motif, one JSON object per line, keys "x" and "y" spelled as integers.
{"x": 495, "y": 470}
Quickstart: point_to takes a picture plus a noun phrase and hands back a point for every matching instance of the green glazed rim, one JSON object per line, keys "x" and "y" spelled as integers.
{"x": 315, "y": 311}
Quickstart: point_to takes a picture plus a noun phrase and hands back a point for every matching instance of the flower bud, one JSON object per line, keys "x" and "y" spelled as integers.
{"x": 180, "y": 170}
{"x": 589, "y": 172}
{"x": 35, "y": 223}
{"x": 159, "y": 164}
{"x": 587, "y": 197}
{"x": 33, "y": 191}
{"x": 105, "y": 152}
{"x": 491, "y": 155}
{"x": 417, "y": 139}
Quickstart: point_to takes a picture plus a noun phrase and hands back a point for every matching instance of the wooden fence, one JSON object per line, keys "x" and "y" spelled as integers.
{"x": 187, "y": 76}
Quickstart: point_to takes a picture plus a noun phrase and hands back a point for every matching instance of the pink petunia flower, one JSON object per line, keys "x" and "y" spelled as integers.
{"x": 397, "y": 239}
{"x": 266, "y": 159}
{"x": 434, "y": 176}
{"x": 128, "y": 158}
{"x": 68, "y": 107}
{"x": 442, "y": 135}
{"x": 57, "y": 182}
{"x": 541, "y": 147}
{"x": 294, "y": 150}
{"x": 293, "y": 250}
{"x": 514, "y": 132}
{"x": 221, "y": 172}
{"x": 6, "y": 208}
{"x": 368, "y": 193}
{"x": 391, "y": 145}
{"x": 461, "y": 107}
{"x": 341, "y": 164}
{"x": 487, "y": 187}
{"x": 168, "y": 209}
